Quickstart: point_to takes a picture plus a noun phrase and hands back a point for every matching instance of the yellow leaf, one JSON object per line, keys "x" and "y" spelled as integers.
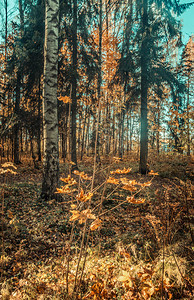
{"x": 82, "y": 175}
{"x": 153, "y": 173}
{"x": 124, "y": 180}
{"x": 73, "y": 206}
{"x": 69, "y": 180}
{"x": 135, "y": 201}
{"x": 84, "y": 215}
{"x": 81, "y": 216}
{"x": 71, "y": 163}
{"x": 64, "y": 190}
{"x": 8, "y": 171}
{"x": 112, "y": 180}
{"x": 130, "y": 188}
{"x": 146, "y": 183}
{"x": 84, "y": 197}
{"x": 96, "y": 224}
{"x": 75, "y": 215}
{"x": 65, "y": 99}
{"x": 118, "y": 171}
{"x": 8, "y": 164}
{"x": 126, "y": 277}
{"x": 3, "y": 171}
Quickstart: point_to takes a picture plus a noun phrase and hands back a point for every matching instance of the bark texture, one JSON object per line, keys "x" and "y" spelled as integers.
{"x": 74, "y": 88}
{"x": 50, "y": 118}
{"x": 144, "y": 91}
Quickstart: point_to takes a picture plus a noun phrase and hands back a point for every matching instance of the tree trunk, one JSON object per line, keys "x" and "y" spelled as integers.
{"x": 158, "y": 129}
{"x": 50, "y": 116}
{"x": 188, "y": 121}
{"x": 18, "y": 86}
{"x": 74, "y": 88}
{"x": 121, "y": 138}
{"x": 3, "y": 140}
{"x": 83, "y": 134}
{"x": 16, "y": 126}
{"x": 39, "y": 122}
{"x": 97, "y": 129}
{"x": 79, "y": 135}
{"x": 32, "y": 149}
{"x": 144, "y": 91}
{"x": 87, "y": 140}
{"x": 131, "y": 131}
{"x": 114, "y": 133}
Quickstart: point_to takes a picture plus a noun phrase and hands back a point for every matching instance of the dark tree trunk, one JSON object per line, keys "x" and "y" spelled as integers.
{"x": 97, "y": 127}
{"x": 16, "y": 126}
{"x": 3, "y": 140}
{"x": 144, "y": 91}
{"x": 32, "y": 150}
{"x": 188, "y": 120}
{"x": 87, "y": 139}
{"x": 158, "y": 129}
{"x": 83, "y": 134}
{"x": 39, "y": 121}
{"x": 74, "y": 88}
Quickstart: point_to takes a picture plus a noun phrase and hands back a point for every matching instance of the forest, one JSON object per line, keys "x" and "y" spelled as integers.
{"x": 96, "y": 150}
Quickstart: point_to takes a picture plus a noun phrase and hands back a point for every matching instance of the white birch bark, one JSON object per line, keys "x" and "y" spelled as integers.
{"x": 50, "y": 118}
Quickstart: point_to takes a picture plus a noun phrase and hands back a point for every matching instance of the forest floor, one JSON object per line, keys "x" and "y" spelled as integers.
{"x": 141, "y": 247}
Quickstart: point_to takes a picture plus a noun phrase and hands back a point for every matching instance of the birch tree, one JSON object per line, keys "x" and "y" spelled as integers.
{"x": 50, "y": 119}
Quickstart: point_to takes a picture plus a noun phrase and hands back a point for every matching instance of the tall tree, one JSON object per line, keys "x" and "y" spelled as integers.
{"x": 144, "y": 89}
{"x": 74, "y": 87}
{"x": 50, "y": 118}
{"x": 188, "y": 74}
{"x": 150, "y": 34}
{"x": 18, "y": 91}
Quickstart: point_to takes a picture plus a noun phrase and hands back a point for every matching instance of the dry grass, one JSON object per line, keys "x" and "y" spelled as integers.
{"x": 142, "y": 250}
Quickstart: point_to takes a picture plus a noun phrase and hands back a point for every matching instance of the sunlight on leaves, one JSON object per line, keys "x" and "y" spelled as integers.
{"x": 81, "y": 216}
{"x": 69, "y": 180}
{"x": 65, "y": 99}
{"x": 82, "y": 175}
{"x": 84, "y": 197}
{"x": 64, "y": 190}
{"x": 146, "y": 183}
{"x": 153, "y": 173}
{"x": 96, "y": 224}
{"x": 2, "y": 171}
{"x": 112, "y": 180}
{"x": 116, "y": 159}
{"x": 73, "y": 206}
{"x": 135, "y": 201}
{"x": 8, "y": 165}
{"x": 119, "y": 171}
{"x": 126, "y": 277}
{"x": 130, "y": 188}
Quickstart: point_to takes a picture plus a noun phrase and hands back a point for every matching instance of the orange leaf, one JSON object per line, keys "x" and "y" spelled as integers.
{"x": 81, "y": 216}
{"x": 69, "y": 180}
{"x": 130, "y": 188}
{"x": 65, "y": 99}
{"x": 84, "y": 197}
{"x": 146, "y": 183}
{"x": 118, "y": 171}
{"x": 112, "y": 180}
{"x": 135, "y": 201}
{"x": 153, "y": 173}
{"x": 82, "y": 175}
{"x": 75, "y": 215}
{"x": 64, "y": 190}
{"x": 96, "y": 224}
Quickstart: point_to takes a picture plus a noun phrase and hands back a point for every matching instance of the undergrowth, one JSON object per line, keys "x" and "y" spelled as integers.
{"x": 115, "y": 235}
